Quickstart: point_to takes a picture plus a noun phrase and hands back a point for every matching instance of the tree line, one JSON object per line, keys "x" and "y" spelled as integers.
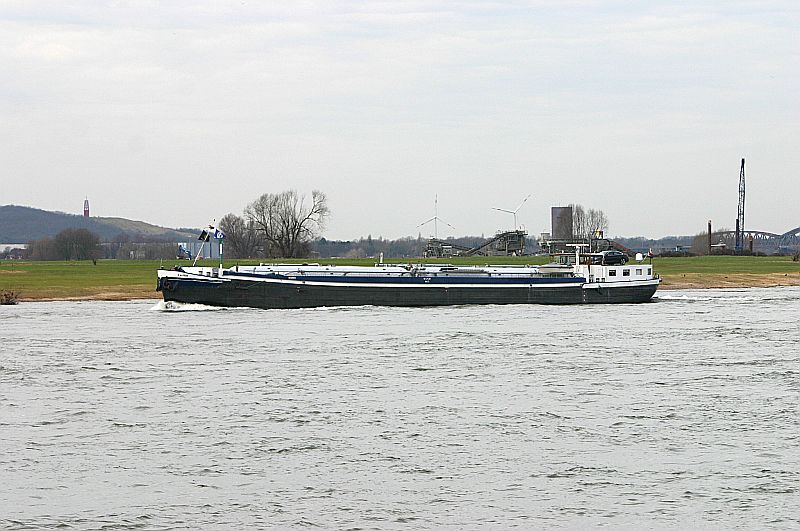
{"x": 83, "y": 244}
{"x": 69, "y": 244}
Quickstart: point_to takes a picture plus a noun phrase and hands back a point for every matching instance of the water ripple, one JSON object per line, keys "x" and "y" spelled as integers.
{"x": 143, "y": 415}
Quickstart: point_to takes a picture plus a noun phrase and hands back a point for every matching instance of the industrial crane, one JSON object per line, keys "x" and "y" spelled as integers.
{"x": 740, "y": 214}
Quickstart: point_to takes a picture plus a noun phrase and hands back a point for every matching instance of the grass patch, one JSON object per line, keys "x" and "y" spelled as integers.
{"x": 727, "y": 271}
{"x": 720, "y": 265}
{"x": 124, "y": 279}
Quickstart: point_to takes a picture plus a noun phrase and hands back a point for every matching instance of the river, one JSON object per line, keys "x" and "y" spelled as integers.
{"x": 681, "y": 413}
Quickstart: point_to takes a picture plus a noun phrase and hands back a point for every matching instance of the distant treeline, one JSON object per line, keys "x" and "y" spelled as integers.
{"x": 407, "y": 247}
{"x": 667, "y": 243}
{"x": 69, "y": 244}
{"x": 247, "y": 237}
{"x": 80, "y": 244}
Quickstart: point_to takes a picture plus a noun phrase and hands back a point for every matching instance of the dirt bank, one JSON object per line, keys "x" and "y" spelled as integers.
{"x": 737, "y": 280}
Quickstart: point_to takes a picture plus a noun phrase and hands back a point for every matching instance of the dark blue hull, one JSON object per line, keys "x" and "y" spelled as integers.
{"x": 255, "y": 294}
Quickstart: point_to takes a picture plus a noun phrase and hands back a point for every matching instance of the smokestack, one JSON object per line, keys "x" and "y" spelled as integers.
{"x": 709, "y": 237}
{"x": 86, "y": 207}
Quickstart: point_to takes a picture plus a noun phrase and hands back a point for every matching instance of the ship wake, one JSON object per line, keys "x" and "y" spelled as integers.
{"x": 172, "y": 306}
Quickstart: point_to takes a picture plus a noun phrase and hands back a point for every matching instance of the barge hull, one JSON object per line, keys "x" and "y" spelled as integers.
{"x": 272, "y": 295}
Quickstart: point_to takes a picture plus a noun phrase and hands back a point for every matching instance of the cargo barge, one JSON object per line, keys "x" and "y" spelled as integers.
{"x": 572, "y": 279}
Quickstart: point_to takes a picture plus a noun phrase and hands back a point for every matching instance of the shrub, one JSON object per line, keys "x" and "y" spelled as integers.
{"x": 9, "y": 297}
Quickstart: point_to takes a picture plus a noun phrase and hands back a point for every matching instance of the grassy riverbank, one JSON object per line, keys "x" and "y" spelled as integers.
{"x": 134, "y": 279}
{"x": 727, "y": 271}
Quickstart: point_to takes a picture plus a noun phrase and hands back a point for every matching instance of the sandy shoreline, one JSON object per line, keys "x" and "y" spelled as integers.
{"x": 671, "y": 282}
{"x": 94, "y": 297}
{"x": 731, "y": 280}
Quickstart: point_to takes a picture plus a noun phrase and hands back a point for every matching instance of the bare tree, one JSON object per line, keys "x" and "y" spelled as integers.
{"x": 286, "y": 223}
{"x": 596, "y": 220}
{"x": 241, "y": 237}
{"x": 585, "y": 223}
{"x": 578, "y": 221}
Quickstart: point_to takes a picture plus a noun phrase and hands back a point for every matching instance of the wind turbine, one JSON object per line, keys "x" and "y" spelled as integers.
{"x": 436, "y": 219}
{"x": 514, "y": 212}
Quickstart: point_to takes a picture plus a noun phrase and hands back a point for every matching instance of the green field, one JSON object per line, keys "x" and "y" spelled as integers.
{"x": 122, "y": 279}
{"x": 39, "y": 280}
{"x": 721, "y": 265}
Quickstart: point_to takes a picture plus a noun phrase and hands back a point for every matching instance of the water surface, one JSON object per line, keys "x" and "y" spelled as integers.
{"x": 138, "y": 415}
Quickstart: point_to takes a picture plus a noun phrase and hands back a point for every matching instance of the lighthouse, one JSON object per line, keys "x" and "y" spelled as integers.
{"x": 86, "y": 207}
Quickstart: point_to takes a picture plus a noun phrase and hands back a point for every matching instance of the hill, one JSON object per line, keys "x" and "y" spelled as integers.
{"x": 19, "y": 224}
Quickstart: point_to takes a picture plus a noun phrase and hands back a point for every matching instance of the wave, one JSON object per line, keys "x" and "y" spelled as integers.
{"x": 682, "y": 298}
{"x": 738, "y": 296}
{"x": 172, "y": 306}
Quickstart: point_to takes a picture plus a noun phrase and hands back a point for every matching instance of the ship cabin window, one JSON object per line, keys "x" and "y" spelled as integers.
{"x": 649, "y": 270}
{"x": 612, "y": 272}
{"x": 626, "y": 272}
{"x": 638, "y": 271}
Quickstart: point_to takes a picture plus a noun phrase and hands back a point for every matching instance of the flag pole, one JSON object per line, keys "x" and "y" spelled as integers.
{"x": 202, "y": 244}
{"x": 205, "y": 236}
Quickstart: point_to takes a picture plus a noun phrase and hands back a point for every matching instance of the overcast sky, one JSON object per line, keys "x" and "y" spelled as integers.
{"x": 174, "y": 112}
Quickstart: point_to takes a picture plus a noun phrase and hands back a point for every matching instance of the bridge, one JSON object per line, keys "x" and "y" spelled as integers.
{"x": 787, "y": 239}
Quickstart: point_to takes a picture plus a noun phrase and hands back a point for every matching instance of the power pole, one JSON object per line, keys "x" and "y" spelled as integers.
{"x": 740, "y": 214}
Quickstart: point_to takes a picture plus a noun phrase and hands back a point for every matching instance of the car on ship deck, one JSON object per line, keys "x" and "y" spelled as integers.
{"x": 613, "y": 258}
